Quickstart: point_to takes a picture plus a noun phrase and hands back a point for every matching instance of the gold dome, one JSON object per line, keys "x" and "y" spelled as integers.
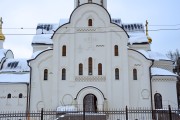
{"x": 149, "y": 39}
{"x": 2, "y": 37}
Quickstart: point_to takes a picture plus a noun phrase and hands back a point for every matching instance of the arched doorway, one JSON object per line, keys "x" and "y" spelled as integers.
{"x": 90, "y": 103}
{"x": 158, "y": 101}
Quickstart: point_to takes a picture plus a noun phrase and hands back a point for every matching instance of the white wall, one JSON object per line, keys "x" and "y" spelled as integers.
{"x": 14, "y": 103}
{"x": 166, "y": 86}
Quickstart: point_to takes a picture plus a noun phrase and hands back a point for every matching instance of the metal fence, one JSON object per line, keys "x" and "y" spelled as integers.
{"x": 122, "y": 114}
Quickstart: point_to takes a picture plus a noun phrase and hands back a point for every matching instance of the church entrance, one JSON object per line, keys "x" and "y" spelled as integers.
{"x": 90, "y": 103}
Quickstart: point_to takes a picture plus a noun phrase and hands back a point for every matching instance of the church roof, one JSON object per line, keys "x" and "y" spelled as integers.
{"x": 15, "y": 65}
{"x": 44, "y": 32}
{"x": 154, "y": 55}
{"x": 161, "y": 72}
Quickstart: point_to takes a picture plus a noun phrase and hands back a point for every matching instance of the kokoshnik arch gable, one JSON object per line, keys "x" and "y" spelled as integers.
{"x": 89, "y": 60}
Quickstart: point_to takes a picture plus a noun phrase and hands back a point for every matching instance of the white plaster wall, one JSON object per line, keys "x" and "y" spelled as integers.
{"x": 166, "y": 86}
{"x": 140, "y": 88}
{"x": 40, "y": 47}
{"x": 99, "y": 46}
{"x": 14, "y": 103}
{"x": 41, "y": 90}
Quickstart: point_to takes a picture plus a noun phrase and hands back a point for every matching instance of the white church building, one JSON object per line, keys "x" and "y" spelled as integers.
{"x": 90, "y": 61}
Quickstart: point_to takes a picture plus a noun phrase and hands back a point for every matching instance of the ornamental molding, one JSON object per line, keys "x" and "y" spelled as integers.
{"x": 99, "y": 78}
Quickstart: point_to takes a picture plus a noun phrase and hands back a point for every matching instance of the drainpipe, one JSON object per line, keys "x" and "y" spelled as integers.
{"x": 150, "y": 76}
{"x": 27, "y": 101}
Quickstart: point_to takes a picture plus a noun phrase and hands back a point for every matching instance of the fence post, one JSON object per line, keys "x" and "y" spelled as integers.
{"x": 84, "y": 117}
{"x": 170, "y": 112}
{"x": 126, "y": 113}
{"x": 42, "y": 114}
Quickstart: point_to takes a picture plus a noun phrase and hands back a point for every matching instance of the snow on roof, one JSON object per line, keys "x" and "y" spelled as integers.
{"x": 2, "y": 53}
{"x": 66, "y": 108}
{"x": 35, "y": 54}
{"x": 160, "y": 71}
{"x": 14, "y": 78}
{"x": 42, "y": 39}
{"x": 44, "y": 33}
{"x": 157, "y": 56}
{"x": 15, "y": 65}
{"x": 153, "y": 55}
{"x": 137, "y": 37}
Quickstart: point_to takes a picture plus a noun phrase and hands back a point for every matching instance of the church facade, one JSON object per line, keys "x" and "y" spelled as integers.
{"x": 96, "y": 62}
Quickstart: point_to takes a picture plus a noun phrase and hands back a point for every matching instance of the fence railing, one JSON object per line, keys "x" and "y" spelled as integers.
{"x": 116, "y": 114}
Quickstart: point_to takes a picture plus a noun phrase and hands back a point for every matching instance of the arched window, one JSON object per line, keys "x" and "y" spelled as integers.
{"x": 64, "y": 50}
{"x": 115, "y": 50}
{"x": 46, "y": 74}
{"x": 20, "y": 95}
{"x": 90, "y": 66}
{"x": 81, "y": 69}
{"x": 63, "y": 74}
{"x": 9, "y": 96}
{"x": 90, "y": 22}
{"x": 134, "y": 74}
{"x": 99, "y": 69}
{"x": 158, "y": 101}
{"x": 117, "y": 74}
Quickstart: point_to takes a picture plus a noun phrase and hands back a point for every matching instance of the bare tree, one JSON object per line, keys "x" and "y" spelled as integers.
{"x": 175, "y": 56}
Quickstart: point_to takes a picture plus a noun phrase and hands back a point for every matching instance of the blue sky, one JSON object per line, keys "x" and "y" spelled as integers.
{"x": 28, "y": 13}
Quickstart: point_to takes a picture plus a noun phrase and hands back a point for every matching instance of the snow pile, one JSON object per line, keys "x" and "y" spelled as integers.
{"x": 14, "y": 78}
{"x": 66, "y": 108}
{"x": 138, "y": 37}
{"x": 15, "y": 65}
{"x": 160, "y": 71}
{"x": 153, "y": 55}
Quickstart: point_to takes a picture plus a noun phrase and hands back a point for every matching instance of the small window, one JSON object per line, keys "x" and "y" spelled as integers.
{"x": 20, "y": 95}
{"x": 90, "y": 66}
{"x": 9, "y": 96}
{"x": 117, "y": 74}
{"x": 81, "y": 69}
{"x": 63, "y": 74}
{"x": 99, "y": 69}
{"x": 90, "y": 22}
{"x": 116, "y": 50}
{"x": 46, "y": 74}
{"x": 134, "y": 74}
{"x": 64, "y": 50}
